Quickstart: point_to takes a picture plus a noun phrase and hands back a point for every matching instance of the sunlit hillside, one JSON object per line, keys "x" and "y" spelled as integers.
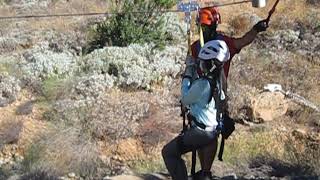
{"x": 97, "y": 97}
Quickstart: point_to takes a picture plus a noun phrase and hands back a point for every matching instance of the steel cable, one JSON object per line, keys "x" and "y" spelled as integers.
{"x": 109, "y": 13}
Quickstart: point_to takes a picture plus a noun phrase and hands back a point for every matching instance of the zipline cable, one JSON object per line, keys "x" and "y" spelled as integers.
{"x": 110, "y": 13}
{"x": 76, "y": 15}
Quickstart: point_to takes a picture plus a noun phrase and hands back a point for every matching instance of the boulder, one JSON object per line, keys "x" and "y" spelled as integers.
{"x": 268, "y": 106}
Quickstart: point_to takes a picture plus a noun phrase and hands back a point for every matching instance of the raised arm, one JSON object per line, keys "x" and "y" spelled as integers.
{"x": 251, "y": 35}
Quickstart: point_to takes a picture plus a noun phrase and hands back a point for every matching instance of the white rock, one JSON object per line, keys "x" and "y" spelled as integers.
{"x": 71, "y": 175}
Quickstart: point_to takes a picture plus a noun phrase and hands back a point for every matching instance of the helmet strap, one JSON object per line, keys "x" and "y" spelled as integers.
{"x": 201, "y": 36}
{"x": 213, "y": 67}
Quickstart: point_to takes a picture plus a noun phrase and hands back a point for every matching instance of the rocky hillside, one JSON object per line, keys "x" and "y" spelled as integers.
{"x": 66, "y": 114}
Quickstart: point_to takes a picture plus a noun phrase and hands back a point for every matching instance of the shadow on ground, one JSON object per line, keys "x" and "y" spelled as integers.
{"x": 268, "y": 166}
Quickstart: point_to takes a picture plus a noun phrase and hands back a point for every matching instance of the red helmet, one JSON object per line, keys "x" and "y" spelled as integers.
{"x": 209, "y": 16}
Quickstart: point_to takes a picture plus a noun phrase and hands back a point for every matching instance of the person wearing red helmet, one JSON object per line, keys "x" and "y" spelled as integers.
{"x": 209, "y": 18}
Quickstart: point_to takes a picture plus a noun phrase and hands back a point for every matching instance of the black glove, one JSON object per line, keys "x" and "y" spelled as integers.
{"x": 261, "y": 26}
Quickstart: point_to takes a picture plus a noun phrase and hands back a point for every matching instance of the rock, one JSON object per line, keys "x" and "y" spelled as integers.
{"x": 25, "y": 108}
{"x": 14, "y": 177}
{"x": 249, "y": 177}
{"x": 232, "y": 176}
{"x": 268, "y": 106}
{"x": 71, "y": 175}
{"x": 156, "y": 176}
{"x": 126, "y": 177}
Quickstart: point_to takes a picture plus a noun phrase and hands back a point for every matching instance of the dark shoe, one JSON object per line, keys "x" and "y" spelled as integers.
{"x": 201, "y": 175}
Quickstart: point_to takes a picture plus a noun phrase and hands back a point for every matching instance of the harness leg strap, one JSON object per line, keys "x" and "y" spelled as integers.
{"x": 193, "y": 162}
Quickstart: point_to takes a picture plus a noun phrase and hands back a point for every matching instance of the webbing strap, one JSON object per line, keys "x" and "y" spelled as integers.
{"x": 201, "y": 37}
{"x": 221, "y": 149}
{"x": 193, "y": 162}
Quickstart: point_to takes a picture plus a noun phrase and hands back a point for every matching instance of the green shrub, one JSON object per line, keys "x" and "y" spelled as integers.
{"x": 31, "y": 157}
{"x": 54, "y": 87}
{"x": 127, "y": 26}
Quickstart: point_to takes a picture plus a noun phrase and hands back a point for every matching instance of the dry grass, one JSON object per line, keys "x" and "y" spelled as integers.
{"x": 60, "y": 24}
{"x": 295, "y": 153}
{"x": 241, "y": 24}
{"x": 294, "y": 72}
{"x": 246, "y": 145}
{"x": 287, "y": 12}
{"x": 62, "y": 151}
{"x": 301, "y": 157}
{"x": 76, "y": 6}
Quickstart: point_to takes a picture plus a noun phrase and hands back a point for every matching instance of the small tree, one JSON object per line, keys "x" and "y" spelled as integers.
{"x": 134, "y": 21}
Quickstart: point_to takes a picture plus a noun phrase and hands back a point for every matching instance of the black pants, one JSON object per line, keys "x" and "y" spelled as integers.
{"x": 193, "y": 138}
